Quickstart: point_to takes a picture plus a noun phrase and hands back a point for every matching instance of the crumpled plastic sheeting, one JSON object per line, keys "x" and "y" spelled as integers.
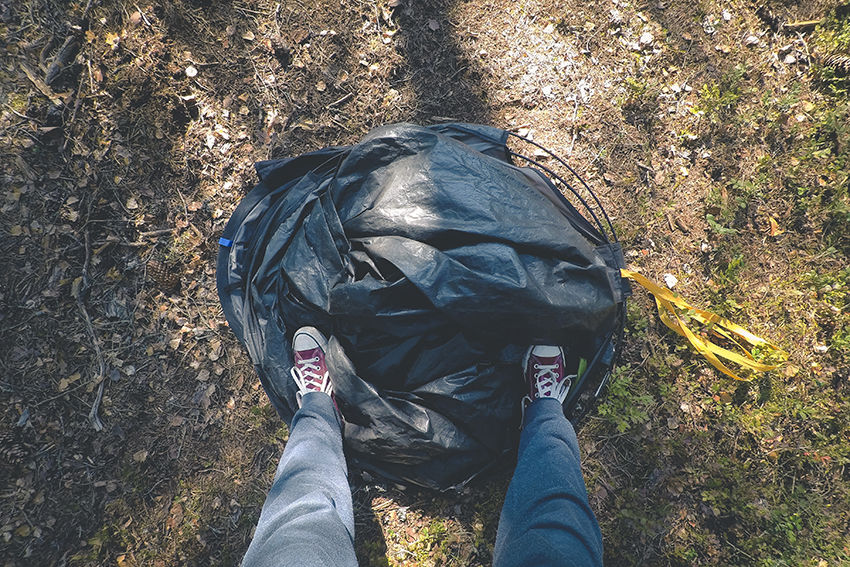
{"x": 431, "y": 263}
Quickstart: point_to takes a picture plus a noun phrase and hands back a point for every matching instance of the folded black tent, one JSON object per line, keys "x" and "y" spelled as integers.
{"x": 431, "y": 262}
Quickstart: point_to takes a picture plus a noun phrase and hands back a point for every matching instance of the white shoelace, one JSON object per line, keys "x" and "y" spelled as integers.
{"x": 307, "y": 378}
{"x": 547, "y": 389}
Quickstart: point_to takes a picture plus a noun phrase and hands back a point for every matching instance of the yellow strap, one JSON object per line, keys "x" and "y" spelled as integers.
{"x": 668, "y": 302}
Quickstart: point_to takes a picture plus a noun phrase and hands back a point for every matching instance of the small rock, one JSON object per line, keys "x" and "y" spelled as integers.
{"x": 646, "y": 38}
{"x": 191, "y": 72}
{"x": 727, "y": 15}
{"x": 670, "y": 280}
{"x": 616, "y": 18}
{"x": 789, "y": 59}
{"x": 751, "y": 41}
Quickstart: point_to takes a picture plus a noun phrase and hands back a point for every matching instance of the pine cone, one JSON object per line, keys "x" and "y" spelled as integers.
{"x": 165, "y": 277}
{"x": 12, "y": 449}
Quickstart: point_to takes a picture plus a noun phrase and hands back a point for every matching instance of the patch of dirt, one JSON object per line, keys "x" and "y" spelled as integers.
{"x": 119, "y": 175}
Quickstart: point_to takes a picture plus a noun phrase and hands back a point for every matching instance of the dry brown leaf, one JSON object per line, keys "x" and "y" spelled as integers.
{"x": 300, "y": 36}
{"x": 23, "y": 531}
{"x": 215, "y": 350}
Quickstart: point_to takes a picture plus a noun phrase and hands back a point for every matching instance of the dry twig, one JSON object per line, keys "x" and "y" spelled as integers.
{"x": 153, "y": 233}
{"x": 78, "y": 291}
{"x": 801, "y": 26}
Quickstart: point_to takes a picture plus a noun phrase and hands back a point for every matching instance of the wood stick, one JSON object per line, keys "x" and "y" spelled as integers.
{"x": 79, "y": 291}
{"x": 152, "y": 233}
{"x": 800, "y": 26}
{"x": 66, "y": 54}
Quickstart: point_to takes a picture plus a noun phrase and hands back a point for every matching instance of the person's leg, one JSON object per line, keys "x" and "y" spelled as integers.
{"x": 308, "y": 518}
{"x": 546, "y": 518}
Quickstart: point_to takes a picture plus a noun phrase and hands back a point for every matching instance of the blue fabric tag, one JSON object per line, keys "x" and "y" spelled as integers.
{"x": 225, "y": 242}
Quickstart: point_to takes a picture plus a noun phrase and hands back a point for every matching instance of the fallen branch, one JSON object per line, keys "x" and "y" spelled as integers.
{"x": 153, "y": 233}
{"x": 65, "y": 56}
{"x": 801, "y": 26}
{"x": 86, "y": 11}
{"x": 78, "y": 290}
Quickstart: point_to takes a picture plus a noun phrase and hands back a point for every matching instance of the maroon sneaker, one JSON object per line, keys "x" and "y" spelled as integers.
{"x": 545, "y": 372}
{"x": 310, "y": 371}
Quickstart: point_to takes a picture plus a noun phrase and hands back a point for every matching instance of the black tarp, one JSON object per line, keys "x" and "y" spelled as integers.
{"x": 431, "y": 262}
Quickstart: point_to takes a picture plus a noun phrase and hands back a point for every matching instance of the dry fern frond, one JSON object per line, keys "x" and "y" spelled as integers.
{"x": 839, "y": 61}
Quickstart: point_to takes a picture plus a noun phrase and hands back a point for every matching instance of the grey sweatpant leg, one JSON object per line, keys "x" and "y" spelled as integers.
{"x": 546, "y": 519}
{"x": 308, "y": 517}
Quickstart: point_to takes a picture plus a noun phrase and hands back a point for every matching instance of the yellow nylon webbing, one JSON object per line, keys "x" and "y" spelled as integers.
{"x": 668, "y": 302}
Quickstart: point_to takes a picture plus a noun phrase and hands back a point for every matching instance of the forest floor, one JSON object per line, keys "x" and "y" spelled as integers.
{"x": 714, "y": 133}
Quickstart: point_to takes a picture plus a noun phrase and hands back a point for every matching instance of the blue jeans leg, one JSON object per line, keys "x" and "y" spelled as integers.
{"x": 308, "y": 517}
{"x": 546, "y": 518}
